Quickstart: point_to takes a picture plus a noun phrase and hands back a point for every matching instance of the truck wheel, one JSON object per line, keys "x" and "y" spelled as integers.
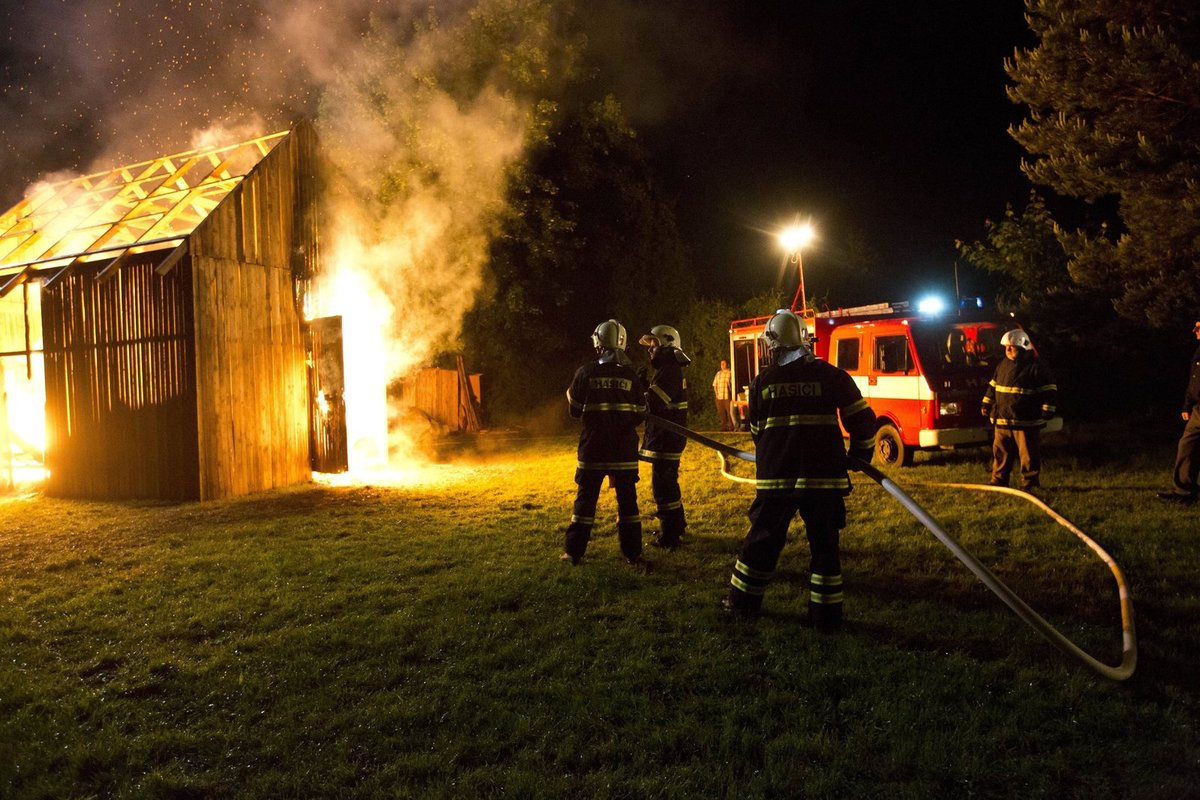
{"x": 890, "y": 448}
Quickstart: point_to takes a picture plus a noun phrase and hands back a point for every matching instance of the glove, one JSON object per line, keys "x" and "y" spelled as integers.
{"x": 983, "y": 412}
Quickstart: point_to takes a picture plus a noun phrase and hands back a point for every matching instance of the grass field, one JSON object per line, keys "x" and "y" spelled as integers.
{"x": 423, "y": 640}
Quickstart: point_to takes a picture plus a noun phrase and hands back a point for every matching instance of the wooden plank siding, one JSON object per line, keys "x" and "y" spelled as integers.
{"x": 251, "y": 373}
{"x": 120, "y": 388}
{"x": 193, "y": 384}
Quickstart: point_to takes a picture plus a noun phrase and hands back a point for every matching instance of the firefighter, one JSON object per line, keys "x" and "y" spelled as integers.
{"x": 794, "y": 406}
{"x": 667, "y": 397}
{"x": 1019, "y": 399}
{"x": 607, "y": 395}
{"x": 1187, "y": 455}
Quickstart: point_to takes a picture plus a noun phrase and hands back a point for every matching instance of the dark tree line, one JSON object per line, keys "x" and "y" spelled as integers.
{"x": 1110, "y": 280}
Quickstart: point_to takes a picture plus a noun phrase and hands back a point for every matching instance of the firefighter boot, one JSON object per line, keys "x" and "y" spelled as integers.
{"x": 672, "y": 529}
{"x": 825, "y": 617}
{"x": 741, "y": 605}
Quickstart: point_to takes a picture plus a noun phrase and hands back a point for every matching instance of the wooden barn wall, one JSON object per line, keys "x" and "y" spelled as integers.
{"x": 439, "y": 395}
{"x": 120, "y": 388}
{"x": 251, "y": 375}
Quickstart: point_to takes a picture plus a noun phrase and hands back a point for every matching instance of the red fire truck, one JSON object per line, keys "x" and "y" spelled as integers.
{"x": 923, "y": 374}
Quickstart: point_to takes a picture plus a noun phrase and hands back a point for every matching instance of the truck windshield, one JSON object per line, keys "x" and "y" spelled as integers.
{"x": 946, "y": 347}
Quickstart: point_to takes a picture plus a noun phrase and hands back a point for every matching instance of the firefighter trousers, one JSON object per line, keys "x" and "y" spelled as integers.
{"x": 664, "y": 476}
{"x": 1017, "y": 445}
{"x": 824, "y": 515}
{"x": 629, "y": 522}
{"x": 1187, "y": 457}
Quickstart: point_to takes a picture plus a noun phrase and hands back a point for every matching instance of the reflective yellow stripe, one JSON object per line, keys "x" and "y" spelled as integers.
{"x": 826, "y": 599}
{"x": 626, "y": 520}
{"x": 583, "y": 520}
{"x": 748, "y": 588}
{"x": 854, "y": 408}
{"x": 751, "y": 572}
{"x": 754, "y": 428}
{"x": 1021, "y": 423}
{"x": 608, "y": 466}
{"x": 680, "y": 406}
{"x": 802, "y": 483}
{"x": 670, "y": 506}
{"x": 800, "y": 419}
{"x": 1015, "y": 390}
{"x": 658, "y": 390}
{"x": 825, "y": 580}
{"x": 614, "y": 407}
{"x": 655, "y": 455}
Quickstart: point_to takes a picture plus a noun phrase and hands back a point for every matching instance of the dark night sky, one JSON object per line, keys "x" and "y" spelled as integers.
{"x": 885, "y": 123}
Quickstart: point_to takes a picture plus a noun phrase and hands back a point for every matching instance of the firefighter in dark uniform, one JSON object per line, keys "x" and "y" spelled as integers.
{"x": 1018, "y": 401}
{"x": 801, "y": 466}
{"x": 667, "y": 397}
{"x": 1187, "y": 454}
{"x": 607, "y": 395}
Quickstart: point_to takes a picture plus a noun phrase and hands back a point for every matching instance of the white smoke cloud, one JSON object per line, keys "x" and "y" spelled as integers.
{"x": 417, "y": 173}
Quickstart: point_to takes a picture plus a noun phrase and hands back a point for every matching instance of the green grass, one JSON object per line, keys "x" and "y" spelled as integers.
{"x": 424, "y": 641}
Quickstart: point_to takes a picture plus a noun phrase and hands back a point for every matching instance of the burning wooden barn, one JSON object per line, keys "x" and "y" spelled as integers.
{"x": 160, "y": 307}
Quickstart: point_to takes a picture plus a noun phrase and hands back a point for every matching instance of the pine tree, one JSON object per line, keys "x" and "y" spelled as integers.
{"x": 1113, "y": 92}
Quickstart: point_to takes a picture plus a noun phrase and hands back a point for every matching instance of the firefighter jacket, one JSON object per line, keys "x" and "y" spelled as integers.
{"x": 1022, "y": 393}
{"x": 667, "y": 397}
{"x": 608, "y": 398}
{"x": 794, "y": 411}
{"x": 1191, "y": 398}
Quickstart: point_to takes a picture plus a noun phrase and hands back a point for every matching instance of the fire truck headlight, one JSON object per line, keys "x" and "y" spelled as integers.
{"x": 949, "y": 409}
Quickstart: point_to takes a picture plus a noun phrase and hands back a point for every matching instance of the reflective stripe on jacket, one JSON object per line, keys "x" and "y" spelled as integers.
{"x": 793, "y": 412}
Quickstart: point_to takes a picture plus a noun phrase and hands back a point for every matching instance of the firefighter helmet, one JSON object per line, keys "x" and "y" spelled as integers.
{"x": 785, "y": 330}
{"x": 1017, "y": 338}
{"x": 661, "y": 336}
{"x": 609, "y": 335}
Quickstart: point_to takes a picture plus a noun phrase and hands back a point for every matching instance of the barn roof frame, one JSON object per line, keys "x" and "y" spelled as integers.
{"x": 111, "y": 216}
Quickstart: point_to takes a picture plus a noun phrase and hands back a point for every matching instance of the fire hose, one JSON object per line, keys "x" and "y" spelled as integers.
{"x": 1030, "y": 617}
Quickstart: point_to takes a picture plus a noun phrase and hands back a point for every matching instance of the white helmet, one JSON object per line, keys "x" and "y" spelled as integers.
{"x": 785, "y": 330}
{"x": 1018, "y": 338}
{"x": 609, "y": 335}
{"x": 661, "y": 336}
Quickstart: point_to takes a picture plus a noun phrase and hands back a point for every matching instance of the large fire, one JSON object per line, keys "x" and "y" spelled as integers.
{"x": 378, "y": 452}
{"x": 22, "y": 391}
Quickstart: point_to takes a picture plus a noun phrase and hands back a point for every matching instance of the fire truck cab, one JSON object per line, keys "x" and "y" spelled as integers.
{"x": 923, "y": 375}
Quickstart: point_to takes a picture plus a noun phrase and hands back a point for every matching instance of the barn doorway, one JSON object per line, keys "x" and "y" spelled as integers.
{"x": 327, "y": 396}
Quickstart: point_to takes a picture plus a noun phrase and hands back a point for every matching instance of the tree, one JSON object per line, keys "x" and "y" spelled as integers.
{"x": 1113, "y": 92}
{"x": 1074, "y": 327}
{"x": 588, "y": 235}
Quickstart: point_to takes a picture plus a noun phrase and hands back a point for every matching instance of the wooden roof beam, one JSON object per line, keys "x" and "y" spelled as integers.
{"x": 15, "y": 280}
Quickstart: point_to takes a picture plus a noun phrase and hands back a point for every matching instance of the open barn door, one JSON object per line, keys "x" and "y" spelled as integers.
{"x": 326, "y": 394}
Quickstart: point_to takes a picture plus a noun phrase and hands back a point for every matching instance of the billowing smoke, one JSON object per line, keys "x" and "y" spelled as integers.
{"x": 419, "y": 149}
